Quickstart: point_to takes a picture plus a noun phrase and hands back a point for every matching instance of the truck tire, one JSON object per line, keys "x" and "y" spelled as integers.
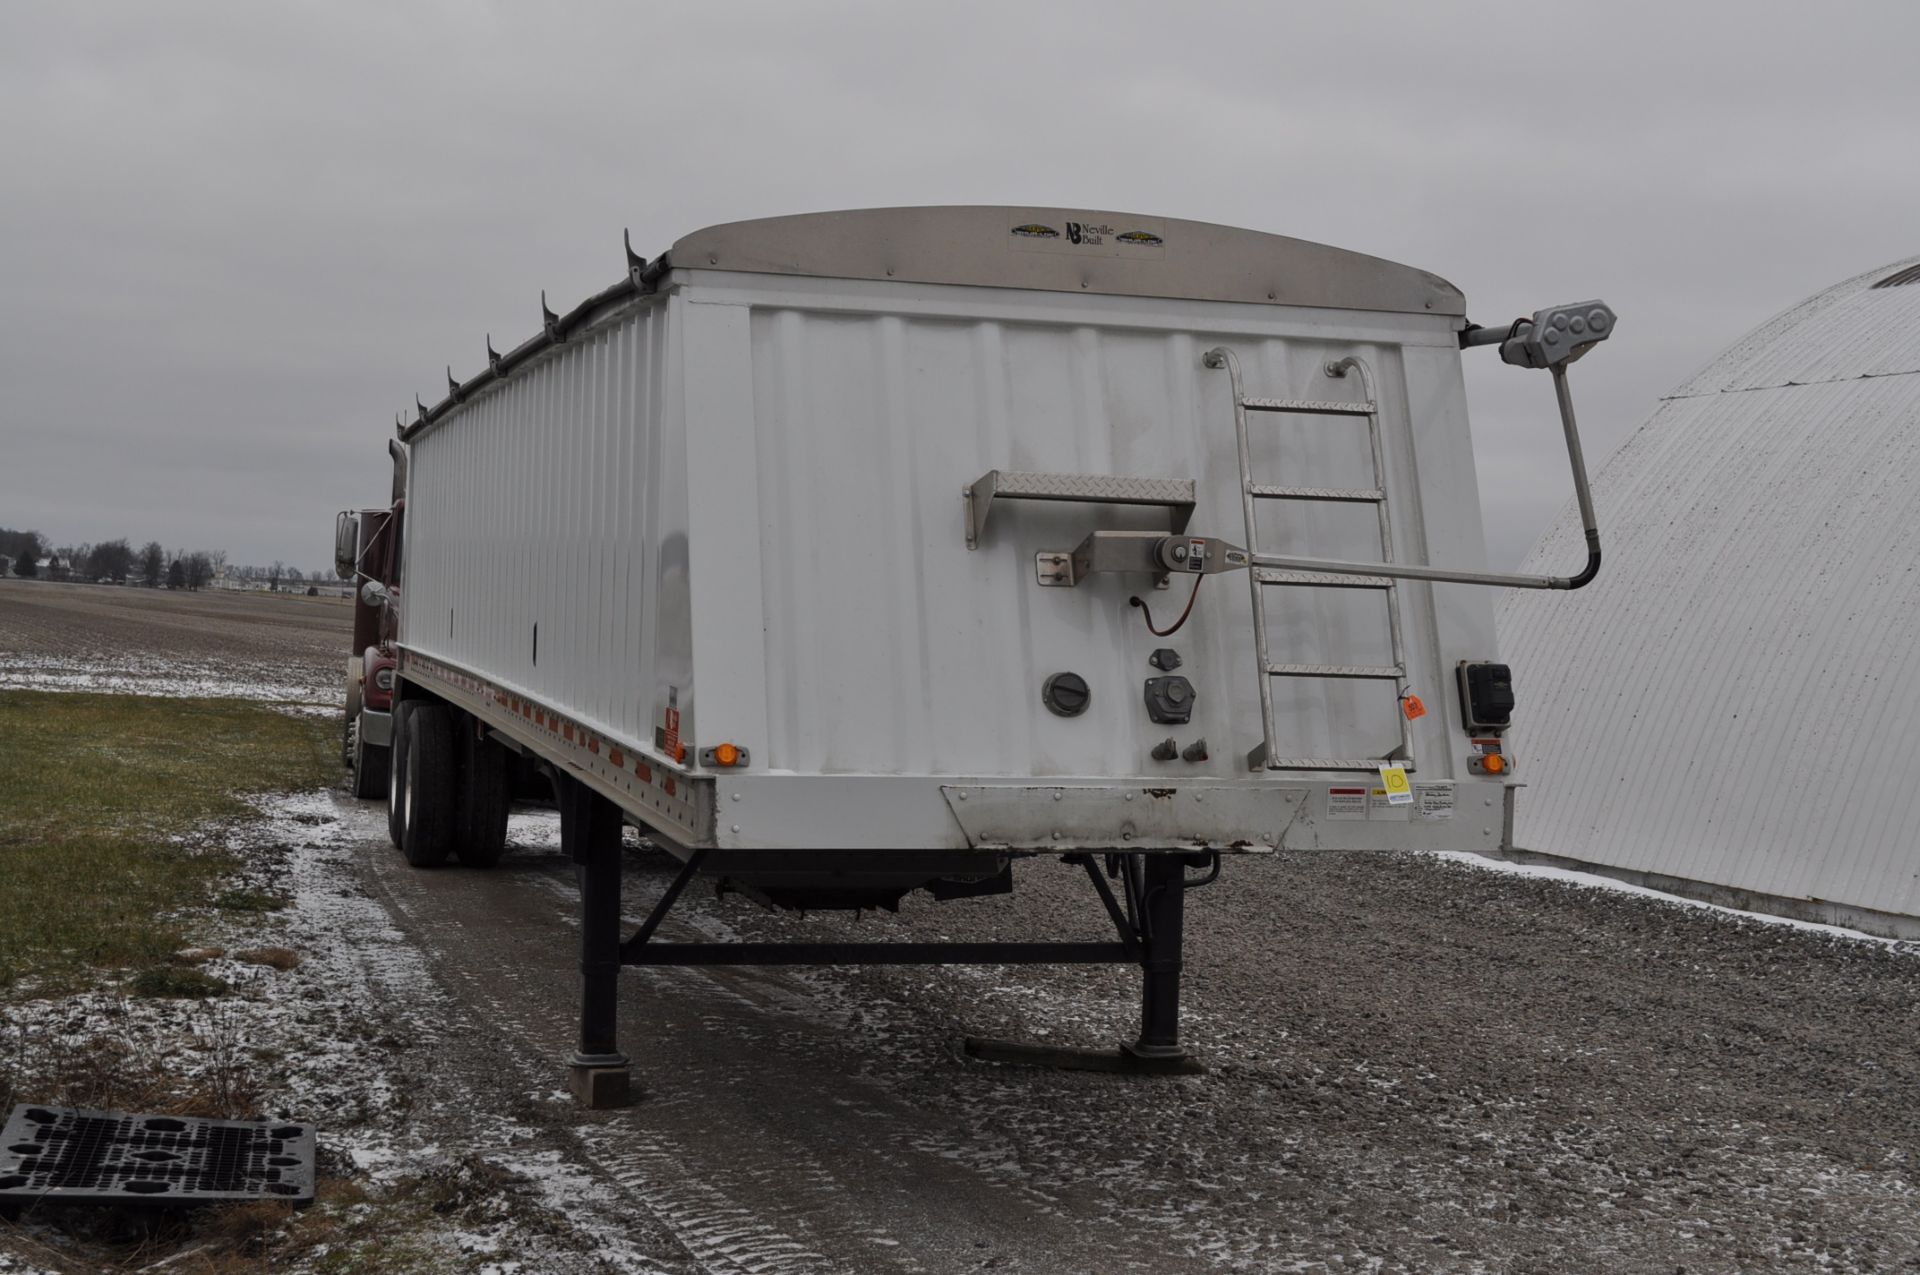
{"x": 370, "y": 765}
{"x": 428, "y": 813}
{"x": 397, "y": 769}
{"x": 485, "y": 795}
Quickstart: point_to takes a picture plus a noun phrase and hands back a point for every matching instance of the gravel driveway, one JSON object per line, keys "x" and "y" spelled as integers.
{"x": 1417, "y": 1065}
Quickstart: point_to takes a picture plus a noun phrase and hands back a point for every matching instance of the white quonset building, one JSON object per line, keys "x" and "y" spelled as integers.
{"x": 1733, "y": 709}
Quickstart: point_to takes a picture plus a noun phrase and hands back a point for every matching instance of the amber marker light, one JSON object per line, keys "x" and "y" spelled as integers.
{"x": 726, "y": 755}
{"x": 1495, "y": 763}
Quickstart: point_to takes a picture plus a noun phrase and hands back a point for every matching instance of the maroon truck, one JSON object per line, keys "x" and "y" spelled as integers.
{"x": 366, "y": 550}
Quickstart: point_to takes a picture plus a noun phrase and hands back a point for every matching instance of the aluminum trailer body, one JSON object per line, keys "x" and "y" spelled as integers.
{"x": 740, "y": 497}
{"x": 863, "y": 502}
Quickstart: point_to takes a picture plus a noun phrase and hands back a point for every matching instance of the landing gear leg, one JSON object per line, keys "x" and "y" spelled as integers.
{"x": 598, "y": 1073}
{"x": 1152, "y": 931}
{"x": 1163, "y": 907}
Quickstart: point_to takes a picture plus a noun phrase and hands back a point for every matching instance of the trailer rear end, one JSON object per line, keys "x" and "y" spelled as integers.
{"x": 856, "y": 553}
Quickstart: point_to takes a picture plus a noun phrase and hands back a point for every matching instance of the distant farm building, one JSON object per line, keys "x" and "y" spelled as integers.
{"x": 1727, "y": 711}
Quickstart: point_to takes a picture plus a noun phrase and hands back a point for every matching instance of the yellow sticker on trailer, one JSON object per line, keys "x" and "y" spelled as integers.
{"x": 1399, "y": 791}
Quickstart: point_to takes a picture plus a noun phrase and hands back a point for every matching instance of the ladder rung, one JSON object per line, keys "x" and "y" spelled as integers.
{"x": 1327, "y": 763}
{"x": 1317, "y": 579}
{"x": 1257, "y": 760}
{"x": 1334, "y": 670}
{"x": 1307, "y": 407}
{"x": 1349, "y": 495}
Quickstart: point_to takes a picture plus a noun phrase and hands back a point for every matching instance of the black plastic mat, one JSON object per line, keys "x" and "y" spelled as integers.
{"x": 63, "y": 1153}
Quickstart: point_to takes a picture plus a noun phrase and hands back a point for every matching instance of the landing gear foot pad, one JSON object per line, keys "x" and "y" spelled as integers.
{"x": 601, "y": 1088}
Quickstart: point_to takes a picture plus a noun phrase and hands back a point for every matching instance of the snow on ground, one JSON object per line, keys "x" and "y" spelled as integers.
{"x": 1595, "y": 881}
{"x": 266, "y": 647}
{"x": 171, "y": 678}
{"x": 345, "y": 1041}
{"x": 20, "y": 1266}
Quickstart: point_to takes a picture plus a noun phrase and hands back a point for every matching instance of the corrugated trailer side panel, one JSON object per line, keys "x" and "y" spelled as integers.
{"x": 546, "y": 545}
{"x": 890, "y": 648}
{"x": 769, "y": 472}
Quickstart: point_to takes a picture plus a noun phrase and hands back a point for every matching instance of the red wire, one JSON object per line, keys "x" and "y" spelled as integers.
{"x": 1175, "y": 626}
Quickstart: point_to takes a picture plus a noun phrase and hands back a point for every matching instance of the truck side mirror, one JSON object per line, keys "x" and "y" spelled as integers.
{"x": 346, "y": 544}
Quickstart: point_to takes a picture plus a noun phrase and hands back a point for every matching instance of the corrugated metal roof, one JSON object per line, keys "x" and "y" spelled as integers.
{"x": 1731, "y": 702}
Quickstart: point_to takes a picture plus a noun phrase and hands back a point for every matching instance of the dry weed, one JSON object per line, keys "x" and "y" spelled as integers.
{"x": 279, "y": 958}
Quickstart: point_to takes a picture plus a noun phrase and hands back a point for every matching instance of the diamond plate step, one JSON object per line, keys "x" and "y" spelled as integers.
{"x": 1319, "y": 579}
{"x": 1307, "y": 407}
{"x": 1174, "y": 494}
{"x": 1256, "y": 760}
{"x": 1327, "y": 763}
{"x": 1346, "y": 495}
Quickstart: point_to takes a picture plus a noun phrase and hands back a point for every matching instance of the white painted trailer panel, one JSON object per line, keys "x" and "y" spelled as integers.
{"x": 741, "y": 496}
{"x": 547, "y": 530}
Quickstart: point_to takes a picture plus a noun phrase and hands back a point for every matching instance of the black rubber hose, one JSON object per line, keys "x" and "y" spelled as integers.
{"x": 1169, "y": 631}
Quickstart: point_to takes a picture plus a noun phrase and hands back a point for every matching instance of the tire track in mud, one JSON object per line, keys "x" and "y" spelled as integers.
{"x": 717, "y": 1234}
{"x": 755, "y": 1144}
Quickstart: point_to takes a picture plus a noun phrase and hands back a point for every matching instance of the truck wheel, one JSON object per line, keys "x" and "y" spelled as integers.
{"x": 397, "y": 769}
{"x": 370, "y": 765}
{"x": 483, "y": 801}
{"x": 427, "y": 814}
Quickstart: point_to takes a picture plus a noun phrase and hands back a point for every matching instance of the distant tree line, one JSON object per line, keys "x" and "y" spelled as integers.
{"x": 117, "y": 560}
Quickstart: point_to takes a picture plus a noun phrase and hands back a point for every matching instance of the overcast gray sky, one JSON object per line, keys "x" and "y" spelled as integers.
{"x": 237, "y": 238}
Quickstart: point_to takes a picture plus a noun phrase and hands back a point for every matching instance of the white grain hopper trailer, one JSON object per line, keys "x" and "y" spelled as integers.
{"x": 854, "y": 553}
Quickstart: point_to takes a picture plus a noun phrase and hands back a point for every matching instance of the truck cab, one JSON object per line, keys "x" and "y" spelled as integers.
{"x": 366, "y": 551}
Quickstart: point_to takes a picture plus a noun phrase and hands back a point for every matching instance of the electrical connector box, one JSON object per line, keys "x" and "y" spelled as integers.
{"x": 1486, "y": 696}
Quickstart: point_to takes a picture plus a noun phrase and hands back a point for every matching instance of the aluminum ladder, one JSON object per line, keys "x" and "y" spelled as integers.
{"x": 1267, "y": 755}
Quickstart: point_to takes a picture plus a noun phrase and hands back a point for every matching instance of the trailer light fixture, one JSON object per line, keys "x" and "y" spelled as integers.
{"x": 724, "y": 756}
{"x": 1494, "y": 763}
{"x": 383, "y": 678}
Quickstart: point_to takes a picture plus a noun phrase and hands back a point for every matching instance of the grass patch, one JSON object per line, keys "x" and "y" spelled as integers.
{"x": 94, "y": 792}
{"x": 107, "y": 1070}
{"x": 409, "y": 1227}
{"x": 175, "y": 983}
{"x": 248, "y": 901}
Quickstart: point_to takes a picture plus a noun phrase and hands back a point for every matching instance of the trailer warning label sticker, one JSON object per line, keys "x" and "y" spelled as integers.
{"x": 1346, "y": 804}
{"x": 667, "y": 736}
{"x": 1382, "y": 806}
{"x": 1433, "y": 801}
